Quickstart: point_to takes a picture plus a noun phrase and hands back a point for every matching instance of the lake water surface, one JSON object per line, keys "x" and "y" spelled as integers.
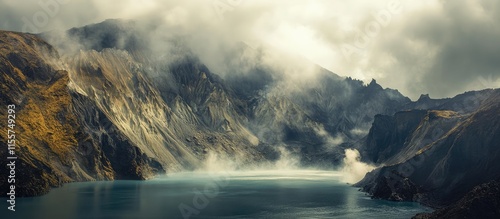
{"x": 252, "y": 194}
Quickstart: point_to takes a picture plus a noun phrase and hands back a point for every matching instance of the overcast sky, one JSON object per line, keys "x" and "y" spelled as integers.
{"x": 438, "y": 47}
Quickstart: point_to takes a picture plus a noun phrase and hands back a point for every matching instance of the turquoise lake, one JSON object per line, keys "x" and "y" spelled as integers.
{"x": 252, "y": 194}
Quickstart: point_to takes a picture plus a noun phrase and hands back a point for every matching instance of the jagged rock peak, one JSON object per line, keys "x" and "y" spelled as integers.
{"x": 424, "y": 97}
{"x": 373, "y": 85}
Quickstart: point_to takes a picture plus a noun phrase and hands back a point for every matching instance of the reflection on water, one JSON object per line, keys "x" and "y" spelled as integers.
{"x": 254, "y": 194}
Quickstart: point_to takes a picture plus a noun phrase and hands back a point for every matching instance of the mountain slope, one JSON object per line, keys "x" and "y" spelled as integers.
{"x": 261, "y": 114}
{"x": 53, "y": 144}
{"x": 440, "y": 168}
{"x": 161, "y": 125}
{"x": 104, "y": 106}
{"x": 481, "y": 202}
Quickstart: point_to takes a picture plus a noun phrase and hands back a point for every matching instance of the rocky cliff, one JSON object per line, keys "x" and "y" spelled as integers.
{"x": 483, "y": 201}
{"x": 436, "y": 156}
{"x": 246, "y": 112}
{"x": 100, "y": 105}
{"x": 54, "y": 140}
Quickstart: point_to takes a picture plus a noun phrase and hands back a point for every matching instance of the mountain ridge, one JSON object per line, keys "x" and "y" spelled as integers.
{"x": 446, "y": 164}
{"x": 99, "y": 105}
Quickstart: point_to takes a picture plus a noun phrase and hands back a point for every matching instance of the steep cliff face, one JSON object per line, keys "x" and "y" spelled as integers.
{"x": 126, "y": 159}
{"x": 322, "y": 119}
{"x": 97, "y": 115}
{"x": 54, "y": 145}
{"x": 443, "y": 158}
{"x": 255, "y": 117}
{"x": 346, "y": 105}
{"x": 108, "y": 108}
{"x": 482, "y": 201}
{"x": 315, "y": 113}
{"x": 394, "y": 139}
{"x": 39, "y": 92}
{"x": 113, "y": 81}
{"x": 176, "y": 127}
{"x": 388, "y": 134}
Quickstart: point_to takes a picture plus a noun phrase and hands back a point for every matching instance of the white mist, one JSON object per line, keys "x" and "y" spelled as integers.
{"x": 353, "y": 169}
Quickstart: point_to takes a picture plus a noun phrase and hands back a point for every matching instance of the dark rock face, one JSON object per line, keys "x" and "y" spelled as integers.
{"x": 438, "y": 169}
{"x": 114, "y": 148}
{"x": 306, "y": 119}
{"x": 482, "y": 201}
{"x": 385, "y": 187}
{"x": 388, "y": 134}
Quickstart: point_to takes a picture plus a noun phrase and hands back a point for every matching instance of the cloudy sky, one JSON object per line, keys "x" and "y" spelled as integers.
{"x": 438, "y": 47}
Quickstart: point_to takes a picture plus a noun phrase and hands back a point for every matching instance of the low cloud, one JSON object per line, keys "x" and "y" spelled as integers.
{"x": 353, "y": 170}
{"x": 442, "y": 48}
{"x": 331, "y": 143}
{"x": 439, "y": 47}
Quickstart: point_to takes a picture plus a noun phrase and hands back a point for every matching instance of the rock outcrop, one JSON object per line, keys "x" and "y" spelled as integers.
{"x": 482, "y": 201}
{"x": 439, "y": 155}
{"x": 54, "y": 124}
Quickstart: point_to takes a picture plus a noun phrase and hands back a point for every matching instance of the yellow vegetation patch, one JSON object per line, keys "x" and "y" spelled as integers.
{"x": 45, "y": 120}
{"x": 444, "y": 113}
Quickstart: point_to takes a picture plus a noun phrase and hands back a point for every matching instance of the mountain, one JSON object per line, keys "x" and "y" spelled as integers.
{"x": 107, "y": 101}
{"x": 483, "y": 201}
{"x": 62, "y": 135}
{"x": 98, "y": 104}
{"x": 439, "y": 155}
{"x": 254, "y": 104}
